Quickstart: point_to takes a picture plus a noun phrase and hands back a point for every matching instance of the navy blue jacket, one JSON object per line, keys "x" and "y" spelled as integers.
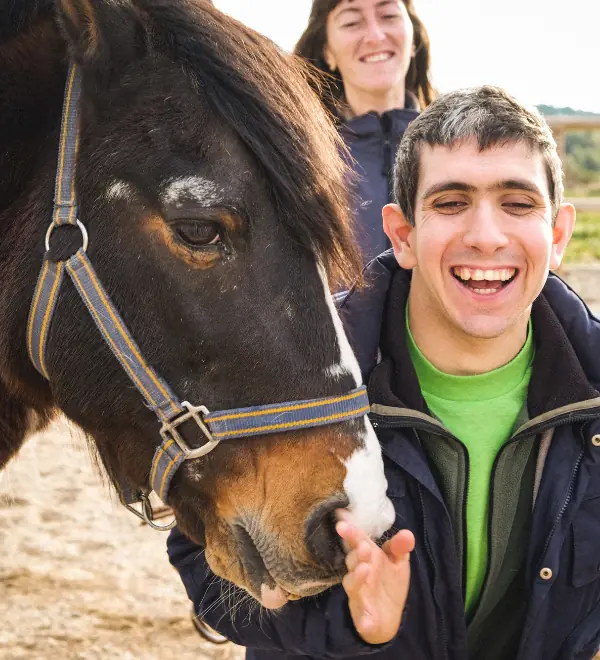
{"x": 373, "y": 141}
{"x": 560, "y": 586}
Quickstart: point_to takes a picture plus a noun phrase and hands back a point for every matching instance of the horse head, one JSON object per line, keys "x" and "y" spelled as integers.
{"x": 210, "y": 184}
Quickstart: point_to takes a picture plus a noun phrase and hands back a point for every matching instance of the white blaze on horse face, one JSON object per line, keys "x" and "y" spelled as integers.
{"x": 366, "y": 486}
{"x": 195, "y": 188}
{"x": 119, "y": 190}
{"x": 348, "y": 365}
{"x": 365, "y": 483}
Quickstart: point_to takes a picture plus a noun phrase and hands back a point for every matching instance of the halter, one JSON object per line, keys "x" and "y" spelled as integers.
{"x": 214, "y": 427}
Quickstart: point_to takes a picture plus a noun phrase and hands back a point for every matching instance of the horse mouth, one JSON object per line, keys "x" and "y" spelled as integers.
{"x": 271, "y": 592}
{"x": 274, "y": 598}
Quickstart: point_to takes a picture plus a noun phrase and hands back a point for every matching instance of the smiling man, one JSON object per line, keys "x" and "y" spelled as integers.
{"x": 483, "y": 375}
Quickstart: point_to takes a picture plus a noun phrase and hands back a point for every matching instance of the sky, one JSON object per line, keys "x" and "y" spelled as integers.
{"x": 542, "y": 51}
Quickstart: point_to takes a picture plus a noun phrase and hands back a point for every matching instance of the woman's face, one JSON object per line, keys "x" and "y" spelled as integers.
{"x": 371, "y": 43}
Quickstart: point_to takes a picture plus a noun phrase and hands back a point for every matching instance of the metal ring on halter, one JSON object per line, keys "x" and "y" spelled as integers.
{"x": 206, "y": 631}
{"x": 82, "y": 229}
{"x": 147, "y": 515}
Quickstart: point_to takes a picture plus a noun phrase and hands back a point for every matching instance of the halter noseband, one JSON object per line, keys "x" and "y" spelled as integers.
{"x": 213, "y": 426}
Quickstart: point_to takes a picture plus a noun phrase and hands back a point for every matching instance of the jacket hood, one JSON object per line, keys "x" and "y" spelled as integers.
{"x": 565, "y": 329}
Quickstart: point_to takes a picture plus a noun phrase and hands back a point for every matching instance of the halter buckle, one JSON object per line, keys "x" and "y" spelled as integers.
{"x": 169, "y": 431}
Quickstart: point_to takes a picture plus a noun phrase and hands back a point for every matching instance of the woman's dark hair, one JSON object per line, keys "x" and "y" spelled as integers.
{"x": 330, "y": 87}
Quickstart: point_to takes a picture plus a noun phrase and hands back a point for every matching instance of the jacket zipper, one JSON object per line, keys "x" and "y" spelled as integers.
{"x": 388, "y": 159}
{"x": 567, "y": 501}
{"x": 443, "y": 631}
{"x": 561, "y": 513}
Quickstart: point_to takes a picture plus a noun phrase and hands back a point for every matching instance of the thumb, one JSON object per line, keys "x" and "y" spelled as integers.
{"x": 400, "y": 546}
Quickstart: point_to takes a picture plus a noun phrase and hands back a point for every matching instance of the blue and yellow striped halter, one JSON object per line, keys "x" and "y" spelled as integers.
{"x": 213, "y": 426}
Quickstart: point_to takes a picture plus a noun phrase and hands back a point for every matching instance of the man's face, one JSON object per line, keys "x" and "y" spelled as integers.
{"x": 483, "y": 240}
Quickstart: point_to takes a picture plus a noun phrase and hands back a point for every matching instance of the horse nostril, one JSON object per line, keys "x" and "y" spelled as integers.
{"x": 322, "y": 540}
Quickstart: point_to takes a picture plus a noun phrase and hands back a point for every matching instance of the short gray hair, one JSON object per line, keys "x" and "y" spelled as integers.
{"x": 487, "y": 114}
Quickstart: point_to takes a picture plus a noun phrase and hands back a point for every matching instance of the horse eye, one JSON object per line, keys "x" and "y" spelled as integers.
{"x": 197, "y": 233}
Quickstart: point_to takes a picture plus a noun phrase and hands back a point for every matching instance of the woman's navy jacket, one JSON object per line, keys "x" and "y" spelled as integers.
{"x": 560, "y": 590}
{"x": 373, "y": 140}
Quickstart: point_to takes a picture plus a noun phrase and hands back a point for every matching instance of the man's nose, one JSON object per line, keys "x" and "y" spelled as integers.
{"x": 485, "y": 231}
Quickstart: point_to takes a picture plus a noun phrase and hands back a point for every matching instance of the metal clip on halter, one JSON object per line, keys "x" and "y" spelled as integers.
{"x": 147, "y": 514}
{"x": 82, "y": 229}
{"x": 169, "y": 431}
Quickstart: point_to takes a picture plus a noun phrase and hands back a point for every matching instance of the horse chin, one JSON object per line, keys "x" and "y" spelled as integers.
{"x": 273, "y": 598}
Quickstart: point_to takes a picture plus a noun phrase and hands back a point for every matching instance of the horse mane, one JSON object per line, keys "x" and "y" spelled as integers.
{"x": 17, "y": 15}
{"x": 264, "y": 96}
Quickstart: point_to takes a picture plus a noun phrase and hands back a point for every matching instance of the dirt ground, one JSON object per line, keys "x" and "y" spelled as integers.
{"x": 80, "y": 577}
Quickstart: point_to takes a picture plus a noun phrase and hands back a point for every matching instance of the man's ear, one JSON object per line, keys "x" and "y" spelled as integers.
{"x": 401, "y": 234}
{"x": 562, "y": 231}
{"x": 102, "y": 36}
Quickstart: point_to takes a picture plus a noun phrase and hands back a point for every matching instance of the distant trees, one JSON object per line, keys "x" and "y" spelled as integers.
{"x": 582, "y": 166}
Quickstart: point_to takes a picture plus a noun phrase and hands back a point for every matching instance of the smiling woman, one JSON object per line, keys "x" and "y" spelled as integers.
{"x": 374, "y": 59}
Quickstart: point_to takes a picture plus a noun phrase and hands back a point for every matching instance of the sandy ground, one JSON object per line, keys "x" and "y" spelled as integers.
{"x": 80, "y": 577}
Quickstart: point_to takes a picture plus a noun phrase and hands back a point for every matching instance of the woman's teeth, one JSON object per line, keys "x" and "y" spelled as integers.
{"x": 377, "y": 57}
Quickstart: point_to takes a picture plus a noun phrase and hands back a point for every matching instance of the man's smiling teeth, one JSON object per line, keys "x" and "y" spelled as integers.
{"x": 377, "y": 57}
{"x": 501, "y": 275}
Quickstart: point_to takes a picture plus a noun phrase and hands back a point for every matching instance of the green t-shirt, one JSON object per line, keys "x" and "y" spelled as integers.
{"x": 481, "y": 411}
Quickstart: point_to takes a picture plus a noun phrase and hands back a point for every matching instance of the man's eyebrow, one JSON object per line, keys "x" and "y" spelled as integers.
{"x": 518, "y": 184}
{"x": 448, "y": 186}
{"x": 459, "y": 186}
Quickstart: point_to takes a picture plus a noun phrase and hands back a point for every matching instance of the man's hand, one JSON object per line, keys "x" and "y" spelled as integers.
{"x": 377, "y": 580}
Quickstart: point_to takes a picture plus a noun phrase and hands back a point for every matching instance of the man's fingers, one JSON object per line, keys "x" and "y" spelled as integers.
{"x": 351, "y": 534}
{"x": 400, "y": 545}
{"x": 362, "y": 553}
{"x": 354, "y": 580}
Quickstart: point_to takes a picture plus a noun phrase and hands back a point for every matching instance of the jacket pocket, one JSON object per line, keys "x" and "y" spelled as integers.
{"x": 586, "y": 542}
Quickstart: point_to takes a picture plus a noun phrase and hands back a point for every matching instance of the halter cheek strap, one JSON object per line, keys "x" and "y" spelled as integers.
{"x": 213, "y": 427}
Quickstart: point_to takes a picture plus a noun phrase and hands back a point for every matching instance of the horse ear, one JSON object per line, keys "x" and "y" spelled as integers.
{"x": 101, "y": 34}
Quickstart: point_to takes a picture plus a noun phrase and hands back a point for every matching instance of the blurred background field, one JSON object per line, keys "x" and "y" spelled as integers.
{"x": 578, "y": 137}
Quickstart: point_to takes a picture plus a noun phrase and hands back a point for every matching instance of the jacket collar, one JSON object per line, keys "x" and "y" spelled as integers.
{"x": 566, "y": 368}
{"x": 373, "y": 123}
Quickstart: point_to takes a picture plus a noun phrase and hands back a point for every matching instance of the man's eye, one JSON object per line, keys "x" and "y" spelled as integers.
{"x": 451, "y": 206}
{"x": 197, "y": 233}
{"x": 519, "y": 208}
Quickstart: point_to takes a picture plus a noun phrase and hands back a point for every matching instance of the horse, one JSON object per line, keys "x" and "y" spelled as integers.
{"x": 211, "y": 191}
